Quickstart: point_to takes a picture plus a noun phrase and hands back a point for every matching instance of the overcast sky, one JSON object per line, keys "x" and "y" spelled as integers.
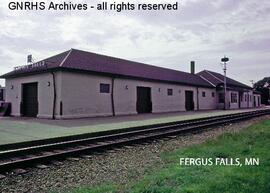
{"x": 200, "y": 30}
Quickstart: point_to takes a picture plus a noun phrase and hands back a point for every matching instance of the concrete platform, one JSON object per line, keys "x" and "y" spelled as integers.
{"x": 14, "y": 130}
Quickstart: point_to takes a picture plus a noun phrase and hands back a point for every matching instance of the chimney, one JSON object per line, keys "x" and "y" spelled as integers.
{"x": 192, "y": 67}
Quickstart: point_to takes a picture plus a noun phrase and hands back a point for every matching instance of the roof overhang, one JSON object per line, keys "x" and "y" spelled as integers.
{"x": 49, "y": 70}
{"x": 233, "y": 87}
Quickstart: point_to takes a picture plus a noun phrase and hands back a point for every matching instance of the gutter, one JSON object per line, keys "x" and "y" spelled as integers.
{"x": 198, "y": 105}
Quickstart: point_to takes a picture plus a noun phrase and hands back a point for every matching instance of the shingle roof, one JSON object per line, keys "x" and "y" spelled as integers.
{"x": 50, "y": 63}
{"x": 217, "y": 79}
{"x": 91, "y": 62}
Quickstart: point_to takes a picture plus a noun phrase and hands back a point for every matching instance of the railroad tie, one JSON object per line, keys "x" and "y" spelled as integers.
{"x": 41, "y": 166}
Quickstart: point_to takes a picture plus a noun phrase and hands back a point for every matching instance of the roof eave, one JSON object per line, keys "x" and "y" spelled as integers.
{"x": 132, "y": 77}
{"x": 236, "y": 86}
{"x": 7, "y": 76}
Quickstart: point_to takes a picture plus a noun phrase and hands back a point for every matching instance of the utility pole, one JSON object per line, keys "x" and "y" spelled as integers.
{"x": 225, "y": 60}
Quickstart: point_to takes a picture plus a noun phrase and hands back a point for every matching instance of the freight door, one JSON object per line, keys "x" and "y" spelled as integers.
{"x": 189, "y": 101}
{"x": 144, "y": 104}
{"x": 29, "y": 105}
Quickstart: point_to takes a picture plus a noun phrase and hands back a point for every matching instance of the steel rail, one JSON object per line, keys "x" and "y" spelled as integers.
{"x": 61, "y": 140}
{"x": 64, "y": 144}
{"x": 29, "y": 156}
{"x": 21, "y": 145}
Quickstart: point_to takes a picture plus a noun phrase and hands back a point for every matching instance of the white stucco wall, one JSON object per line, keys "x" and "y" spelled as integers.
{"x": 244, "y": 102}
{"x": 45, "y": 93}
{"x": 233, "y": 105}
{"x": 257, "y": 100}
{"x": 81, "y": 96}
{"x": 247, "y": 102}
{"x": 229, "y": 105}
{"x": 251, "y": 102}
{"x": 207, "y": 102}
{"x": 125, "y": 99}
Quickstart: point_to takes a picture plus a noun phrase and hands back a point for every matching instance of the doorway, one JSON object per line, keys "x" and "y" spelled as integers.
{"x": 189, "y": 101}
{"x": 29, "y": 104}
{"x": 144, "y": 104}
{"x": 240, "y": 99}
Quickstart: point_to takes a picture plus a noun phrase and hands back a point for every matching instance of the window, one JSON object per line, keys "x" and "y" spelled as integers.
{"x": 203, "y": 94}
{"x": 241, "y": 98}
{"x": 170, "y": 92}
{"x": 221, "y": 98}
{"x": 104, "y": 88}
{"x": 245, "y": 97}
{"x": 250, "y": 98}
{"x": 233, "y": 97}
{"x": 213, "y": 94}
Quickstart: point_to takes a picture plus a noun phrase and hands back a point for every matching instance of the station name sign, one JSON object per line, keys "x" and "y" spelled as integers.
{"x": 41, "y": 64}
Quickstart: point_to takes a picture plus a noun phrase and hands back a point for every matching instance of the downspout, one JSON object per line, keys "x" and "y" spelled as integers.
{"x": 112, "y": 97}
{"x": 248, "y": 100}
{"x": 198, "y": 105}
{"x": 54, "y": 95}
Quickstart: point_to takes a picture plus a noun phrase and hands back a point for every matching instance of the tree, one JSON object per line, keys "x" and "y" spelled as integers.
{"x": 260, "y": 86}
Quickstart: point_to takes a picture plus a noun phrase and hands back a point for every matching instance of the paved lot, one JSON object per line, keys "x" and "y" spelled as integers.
{"x": 24, "y": 129}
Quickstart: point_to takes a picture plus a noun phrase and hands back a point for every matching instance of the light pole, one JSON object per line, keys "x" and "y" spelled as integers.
{"x": 225, "y": 60}
{"x": 252, "y": 83}
{"x": 267, "y": 85}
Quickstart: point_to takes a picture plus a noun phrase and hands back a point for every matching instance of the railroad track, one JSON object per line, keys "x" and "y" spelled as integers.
{"x": 23, "y": 155}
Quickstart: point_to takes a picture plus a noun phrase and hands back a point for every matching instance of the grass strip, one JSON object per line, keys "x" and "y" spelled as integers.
{"x": 253, "y": 142}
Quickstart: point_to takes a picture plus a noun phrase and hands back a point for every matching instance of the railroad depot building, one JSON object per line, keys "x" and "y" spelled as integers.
{"x": 76, "y": 84}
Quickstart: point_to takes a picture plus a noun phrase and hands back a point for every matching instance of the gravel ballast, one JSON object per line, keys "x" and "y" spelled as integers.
{"x": 119, "y": 166}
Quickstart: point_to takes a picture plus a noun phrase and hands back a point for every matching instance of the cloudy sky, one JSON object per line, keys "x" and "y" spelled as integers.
{"x": 200, "y": 30}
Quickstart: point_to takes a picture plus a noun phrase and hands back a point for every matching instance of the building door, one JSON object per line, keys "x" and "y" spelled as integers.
{"x": 1, "y": 94}
{"x": 240, "y": 99}
{"x": 144, "y": 104}
{"x": 29, "y": 105}
{"x": 189, "y": 101}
